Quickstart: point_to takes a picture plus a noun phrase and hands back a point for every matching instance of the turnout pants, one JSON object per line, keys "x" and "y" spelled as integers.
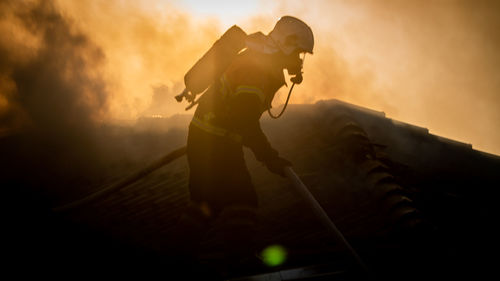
{"x": 221, "y": 189}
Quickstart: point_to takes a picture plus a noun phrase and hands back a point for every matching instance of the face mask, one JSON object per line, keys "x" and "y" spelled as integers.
{"x": 294, "y": 65}
{"x": 294, "y": 68}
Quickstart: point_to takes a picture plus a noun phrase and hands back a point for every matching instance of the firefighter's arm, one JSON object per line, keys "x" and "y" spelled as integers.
{"x": 248, "y": 106}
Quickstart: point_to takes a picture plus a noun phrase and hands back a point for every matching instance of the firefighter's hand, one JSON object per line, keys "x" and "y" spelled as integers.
{"x": 277, "y": 165}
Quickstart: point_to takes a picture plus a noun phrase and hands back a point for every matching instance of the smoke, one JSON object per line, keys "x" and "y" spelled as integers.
{"x": 441, "y": 63}
{"x": 430, "y": 63}
{"x": 52, "y": 97}
{"x": 147, "y": 43}
{"x": 62, "y": 81}
{"x": 161, "y": 42}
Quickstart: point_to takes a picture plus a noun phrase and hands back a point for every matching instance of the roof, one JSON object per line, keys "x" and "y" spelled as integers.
{"x": 384, "y": 183}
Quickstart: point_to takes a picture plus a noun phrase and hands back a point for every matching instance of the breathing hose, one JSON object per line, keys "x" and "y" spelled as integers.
{"x": 286, "y": 103}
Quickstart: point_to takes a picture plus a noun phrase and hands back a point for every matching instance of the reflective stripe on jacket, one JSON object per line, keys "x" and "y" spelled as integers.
{"x": 206, "y": 126}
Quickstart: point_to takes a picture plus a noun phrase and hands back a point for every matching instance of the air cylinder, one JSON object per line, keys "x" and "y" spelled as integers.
{"x": 215, "y": 61}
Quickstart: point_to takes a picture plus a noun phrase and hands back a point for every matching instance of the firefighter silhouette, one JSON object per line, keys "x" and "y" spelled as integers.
{"x": 226, "y": 119}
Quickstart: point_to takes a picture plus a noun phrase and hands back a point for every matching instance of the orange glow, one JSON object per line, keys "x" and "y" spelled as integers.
{"x": 435, "y": 64}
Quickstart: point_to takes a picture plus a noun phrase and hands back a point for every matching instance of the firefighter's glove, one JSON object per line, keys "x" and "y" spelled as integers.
{"x": 277, "y": 165}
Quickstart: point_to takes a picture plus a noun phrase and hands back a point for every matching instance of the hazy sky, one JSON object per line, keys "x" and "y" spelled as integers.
{"x": 227, "y": 11}
{"x": 435, "y": 64}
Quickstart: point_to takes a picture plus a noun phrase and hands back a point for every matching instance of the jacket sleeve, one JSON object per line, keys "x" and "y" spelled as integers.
{"x": 246, "y": 114}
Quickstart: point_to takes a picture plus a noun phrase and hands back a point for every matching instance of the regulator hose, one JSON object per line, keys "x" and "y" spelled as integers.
{"x": 286, "y": 103}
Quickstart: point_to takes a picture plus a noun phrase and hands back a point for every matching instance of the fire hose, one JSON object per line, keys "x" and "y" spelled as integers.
{"x": 321, "y": 214}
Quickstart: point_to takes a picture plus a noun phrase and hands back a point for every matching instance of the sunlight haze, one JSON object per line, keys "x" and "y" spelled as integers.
{"x": 434, "y": 64}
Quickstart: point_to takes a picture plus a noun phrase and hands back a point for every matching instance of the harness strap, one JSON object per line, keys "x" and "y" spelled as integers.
{"x": 208, "y": 127}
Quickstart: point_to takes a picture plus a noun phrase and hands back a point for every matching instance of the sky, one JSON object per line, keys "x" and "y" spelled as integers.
{"x": 226, "y": 11}
{"x": 430, "y": 63}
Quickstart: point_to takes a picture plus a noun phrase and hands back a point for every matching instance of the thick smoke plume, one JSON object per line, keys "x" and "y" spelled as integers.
{"x": 62, "y": 83}
{"x": 52, "y": 97}
{"x": 148, "y": 45}
{"x": 49, "y": 72}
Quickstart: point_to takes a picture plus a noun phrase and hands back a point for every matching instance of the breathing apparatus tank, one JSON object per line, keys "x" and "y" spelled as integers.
{"x": 213, "y": 64}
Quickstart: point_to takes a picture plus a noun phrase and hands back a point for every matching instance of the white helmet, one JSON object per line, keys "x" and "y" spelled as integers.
{"x": 291, "y": 34}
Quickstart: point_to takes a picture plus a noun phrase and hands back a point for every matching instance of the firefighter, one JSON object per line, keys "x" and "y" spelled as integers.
{"x": 226, "y": 119}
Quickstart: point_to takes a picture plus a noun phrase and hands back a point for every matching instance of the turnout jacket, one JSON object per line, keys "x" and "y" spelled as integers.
{"x": 232, "y": 106}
